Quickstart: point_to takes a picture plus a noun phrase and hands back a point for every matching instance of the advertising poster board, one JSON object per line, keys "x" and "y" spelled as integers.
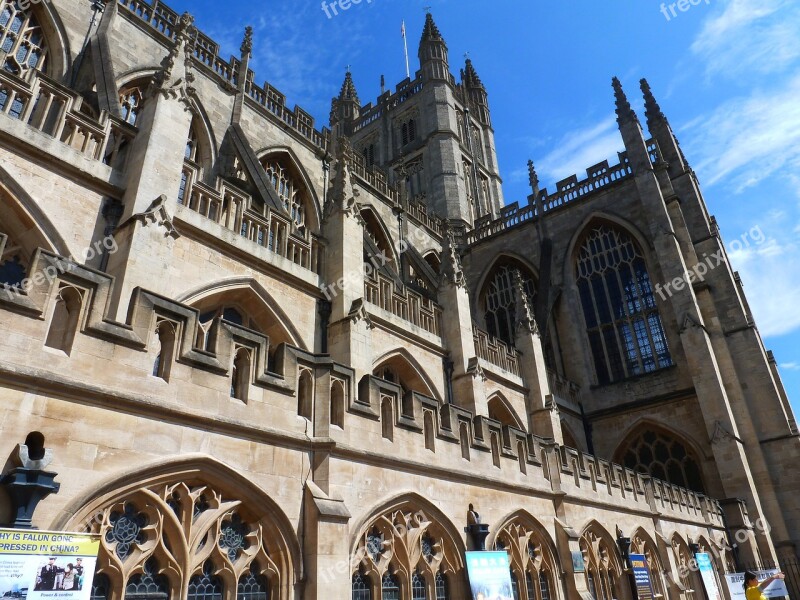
{"x": 641, "y": 574}
{"x": 735, "y": 581}
{"x": 489, "y": 576}
{"x": 46, "y": 565}
{"x": 707, "y": 573}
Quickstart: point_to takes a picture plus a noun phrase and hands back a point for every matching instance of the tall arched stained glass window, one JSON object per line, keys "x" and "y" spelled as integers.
{"x": 626, "y": 335}
{"x": 442, "y": 592}
{"x": 664, "y": 457}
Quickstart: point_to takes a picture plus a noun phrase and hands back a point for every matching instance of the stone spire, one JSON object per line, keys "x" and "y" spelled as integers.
{"x": 430, "y": 33}
{"x": 175, "y": 77}
{"x": 660, "y": 129}
{"x": 247, "y": 43}
{"x": 624, "y": 110}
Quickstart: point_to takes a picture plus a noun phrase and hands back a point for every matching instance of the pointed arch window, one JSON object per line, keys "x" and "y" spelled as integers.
{"x": 131, "y": 100}
{"x": 22, "y": 40}
{"x": 664, "y": 457}
{"x": 500, "y": 300}
{"x": 100, "y": 587}
{"x": 442, "y": 589}
{"x": 290, "y": 190}
{"x": 626, "y": 335}
{"x": 419, "y": 589}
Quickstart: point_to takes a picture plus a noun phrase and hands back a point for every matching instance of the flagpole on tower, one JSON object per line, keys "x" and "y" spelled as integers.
{"x": 405, "y": 48}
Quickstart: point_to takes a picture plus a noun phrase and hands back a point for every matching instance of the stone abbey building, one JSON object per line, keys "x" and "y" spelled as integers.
{"x": 273, "y": 360}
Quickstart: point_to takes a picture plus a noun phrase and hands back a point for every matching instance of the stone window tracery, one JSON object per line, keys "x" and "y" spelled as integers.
{"x": 158, "y": 539}
{"x": 405, "y": 556}
{"x": 602, "y": 566}
{"x": 500, "y": 300}
{"x": 530, "y": 559}
{"x": 626, "y": 335}
{"x": 665, "y": 458}
{"x": 290, "y": 190}
{"x": 14, "y": 264}
{"x": 639, "y": 545}
{"x": 21, "y": 39}
{"x": 131, "y": 100}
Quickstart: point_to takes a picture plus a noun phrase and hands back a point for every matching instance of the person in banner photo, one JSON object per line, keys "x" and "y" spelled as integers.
{"x": 753, "y": 589}
{"x": 47, "y": 575}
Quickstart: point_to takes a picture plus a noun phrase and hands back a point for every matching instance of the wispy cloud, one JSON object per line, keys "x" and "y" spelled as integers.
{"x": 749, "y": 36}
{"x": 748, "y": 139}
{"x": 790, "y": 366}
{"x": 579, "y": 149}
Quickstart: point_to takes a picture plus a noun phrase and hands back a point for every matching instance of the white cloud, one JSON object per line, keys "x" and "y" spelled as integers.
{"x": 748, "y": 139}
{"x": 580, "y": 149}
{"x": 790, "y": 366}
{"x": 750, "y": 36}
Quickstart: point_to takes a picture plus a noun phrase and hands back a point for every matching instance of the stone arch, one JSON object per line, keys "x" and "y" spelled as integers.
{"x": 569, "y": 437}
{"x": 160, "y": 502}
{"x": 692, "y": 452}
{"x": 411, "y": 374}
{"x": 134, "y": 84}
{"x": 201, "y": 125}
{"x": 262, "y": 307}
{"x": 408, "y": 537}
{"x": 495, "y": 298}
{"x": 291, "y": 157}
{"x": 604, "y": 568}
{"x": 376, "y": 229}
{"x": 643, "y": 543}
{"x": 597, "y": 217}
{"x": 688, "y": 574}
{"x": 533, "y": 555}
{"x": 23, "y": 220}
{"x": 500, "y": 409}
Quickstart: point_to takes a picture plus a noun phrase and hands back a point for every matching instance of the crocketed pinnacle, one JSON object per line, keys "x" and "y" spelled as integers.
{"x": 624, "y": 110}
{"x": 349, "y": 89}
{"x": 652, "y": 109}
{"x": 431, "y": 33}
{"x": 471, "y": 78}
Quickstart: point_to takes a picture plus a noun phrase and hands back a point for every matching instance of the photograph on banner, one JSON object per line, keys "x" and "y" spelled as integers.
{"x": 776, "y": 589}
{"x": 45, "y": 565}
{"x": 641, "y": 574}
{"x": 489, "y": 576}
{"x": 709, "y": 577}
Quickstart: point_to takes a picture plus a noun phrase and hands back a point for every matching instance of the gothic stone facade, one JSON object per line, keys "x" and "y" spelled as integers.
{"x": 278, "y": 361}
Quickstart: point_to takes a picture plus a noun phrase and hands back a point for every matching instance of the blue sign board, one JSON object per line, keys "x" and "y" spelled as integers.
{"x": 489, "y": 576}
{"x": 641, "y": 574}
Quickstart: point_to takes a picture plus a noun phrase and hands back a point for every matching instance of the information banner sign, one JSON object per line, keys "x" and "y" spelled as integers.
{"x": 641, "y": 574}
{"x": 489, "y": 576}
{"x": 776, "y": 589}
{"x": 707, "y": 573}
{"x": 46, "y": 565}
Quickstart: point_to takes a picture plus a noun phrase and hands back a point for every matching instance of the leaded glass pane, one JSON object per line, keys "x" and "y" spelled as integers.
{"x": 252, "y": 586}
{"x": 233, "y": 536}
{"x": 544, "y": 586}
{"x": 100, "y": 587}
{"x": 21, "y": 38}
{"x": 390, "y": 587}
{"x": 126, "y": 530}
{"x": 419, "y": 590}
{"x": 361, "y": 587}
{"x": 205, "y": 586}
{"x": 501, "y": 302}
{"x": 148, "y": 585}
{"x": 442, "y": 590}
{"x": 663, "y": 457}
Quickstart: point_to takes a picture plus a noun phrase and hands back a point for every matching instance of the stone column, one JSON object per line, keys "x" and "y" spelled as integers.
{"x": 327, "y": 546}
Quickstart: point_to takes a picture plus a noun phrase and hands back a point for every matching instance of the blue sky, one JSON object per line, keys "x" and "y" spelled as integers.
{"x": 726, "y": 73}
